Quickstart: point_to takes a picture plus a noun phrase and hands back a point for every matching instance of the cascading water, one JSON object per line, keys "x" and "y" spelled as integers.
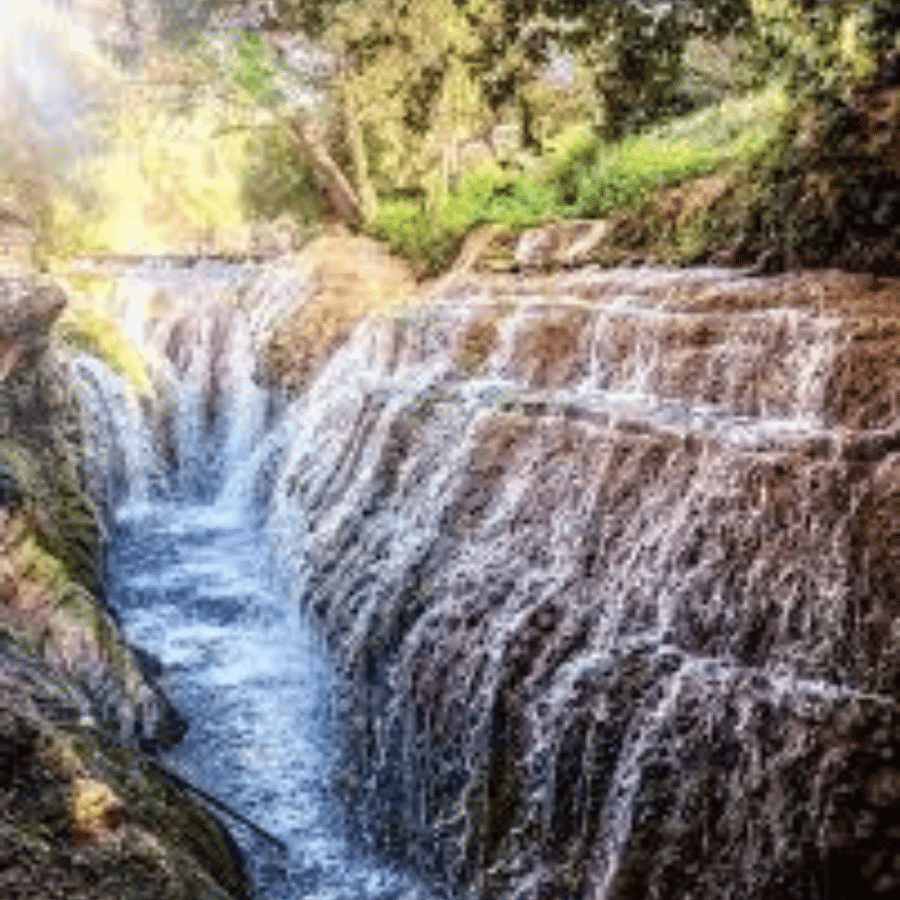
{"x": 191, "y": 577}
{"x": 609, "y": 560}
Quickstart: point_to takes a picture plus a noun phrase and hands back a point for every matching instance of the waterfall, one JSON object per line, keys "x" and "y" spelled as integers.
{"x": 127, "y": 459}
{"x": 606, "y": 561}
{"x": 208, "y": 416}
{"x": 192, "y": 577}
{"x": 597, "y": 550}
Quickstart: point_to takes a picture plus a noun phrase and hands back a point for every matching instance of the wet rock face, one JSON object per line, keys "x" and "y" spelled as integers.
{"x": 349, "y": 278}
{"x": 613, "y": 561}
{"x": 82, "y": 815}
{"x": 50, "y": 553}
{"x": 86, "y": 818}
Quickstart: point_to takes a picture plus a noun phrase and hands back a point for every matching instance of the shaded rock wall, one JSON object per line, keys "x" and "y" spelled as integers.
{"x": 86, "y": 817}
{"x": 612, "y": 562}
{"x": 49, "y": 534}
{"x": 82, "y": 813}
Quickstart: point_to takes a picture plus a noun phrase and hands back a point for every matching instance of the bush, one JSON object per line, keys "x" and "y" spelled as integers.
{"x": 406, "y": 226}
{"x": 277, "y": 181}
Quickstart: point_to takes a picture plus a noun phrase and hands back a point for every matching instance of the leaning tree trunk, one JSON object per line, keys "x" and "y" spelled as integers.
{"x": 340, "y": 193}
{"x": 367, "y": 197}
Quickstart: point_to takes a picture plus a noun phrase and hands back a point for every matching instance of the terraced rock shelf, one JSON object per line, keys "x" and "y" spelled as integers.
{"x": 607, "y": 562}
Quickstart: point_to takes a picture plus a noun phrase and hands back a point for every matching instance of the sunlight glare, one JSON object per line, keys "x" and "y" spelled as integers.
{"x": 48, "y": 70}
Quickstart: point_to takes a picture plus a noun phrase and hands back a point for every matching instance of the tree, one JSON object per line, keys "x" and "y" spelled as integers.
{"x": 412, "y": 92}
{"x": 830, "y": 46}
{"x": 636, "y": 47}
{"x": 307, "y": 17}
{"x": 274, "y": 71}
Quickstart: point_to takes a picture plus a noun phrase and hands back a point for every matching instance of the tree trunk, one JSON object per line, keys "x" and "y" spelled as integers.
{"x": 340, "y": 193}
{"x": 367, "y": 197}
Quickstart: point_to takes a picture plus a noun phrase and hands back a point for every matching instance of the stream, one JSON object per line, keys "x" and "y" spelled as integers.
{"x": 190, "y": 575}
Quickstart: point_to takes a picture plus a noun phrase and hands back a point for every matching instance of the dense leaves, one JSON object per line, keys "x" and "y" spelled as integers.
{"x": 636, "y": 48}
{"x": 830, "y": 46}
{"x": 307, "y": 16}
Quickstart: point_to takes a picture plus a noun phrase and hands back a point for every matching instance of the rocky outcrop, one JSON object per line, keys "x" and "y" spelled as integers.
{"x": 612, "y": 562}
{"x": 349, "y": 278}
{"x": 83, "y": 814}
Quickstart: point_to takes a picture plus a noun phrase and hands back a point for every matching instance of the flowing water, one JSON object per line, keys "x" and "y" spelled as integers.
{"x": 608, "y": 559}
{"x": 191, "y": 576}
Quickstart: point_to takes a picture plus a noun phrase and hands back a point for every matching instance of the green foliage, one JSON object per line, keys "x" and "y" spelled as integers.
{"x": 276, "y": 181}
{"x": 582, "y": 175}
{"x": 428, "y": 90}
{"x": 636, "y": 49}
{"x": 411, "y": 231}
{"x": 716, "y": 68}
{"x": 88, "y": 329}
{"x": 168, "y": 175}
{"x": 829, "y": 46}
{"x": 72, "y": 230}
{"x": 625, "y": 173}
{"x": 412, "y": 94}
{"x": 493, "y": 193}
{"x": 254, "y": 70}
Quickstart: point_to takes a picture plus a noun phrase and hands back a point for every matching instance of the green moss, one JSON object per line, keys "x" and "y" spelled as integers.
{"x": 83, "y": 608}
{"x": 58, "y": 511}
{"x": 93, "y": 332}
{"x": 38, "y": 565}
{"x": 157, "y": 803}
{"x": 22, "y": 465}
{"x": 65, "y": 777}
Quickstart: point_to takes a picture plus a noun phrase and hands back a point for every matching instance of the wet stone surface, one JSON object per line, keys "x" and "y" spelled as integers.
{"x": 608, "y": 562}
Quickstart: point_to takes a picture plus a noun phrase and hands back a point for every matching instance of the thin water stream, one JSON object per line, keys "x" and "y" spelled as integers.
{"x": 193, "y": 588}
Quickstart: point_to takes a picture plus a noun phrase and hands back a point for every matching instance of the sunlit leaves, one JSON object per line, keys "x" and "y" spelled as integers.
{"x": 635, "y": 47}
{"x": 254, "y": 70}
{"x": 404, "y": 66}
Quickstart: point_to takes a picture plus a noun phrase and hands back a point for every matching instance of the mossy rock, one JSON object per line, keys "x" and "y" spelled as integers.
{"x": 156, "y": 801}
{"x": 84, "y": 817}
{"x": 59, "y": 511}
{"x": 93, "y": 332}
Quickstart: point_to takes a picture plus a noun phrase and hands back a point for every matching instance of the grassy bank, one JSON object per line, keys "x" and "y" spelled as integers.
{"x": 580, "y": 176}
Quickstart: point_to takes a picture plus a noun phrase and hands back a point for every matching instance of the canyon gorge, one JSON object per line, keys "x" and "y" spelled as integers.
{"x": 539, "y": 585}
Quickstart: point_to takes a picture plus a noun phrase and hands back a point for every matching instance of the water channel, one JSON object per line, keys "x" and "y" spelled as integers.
{"x": 190, "y": 574}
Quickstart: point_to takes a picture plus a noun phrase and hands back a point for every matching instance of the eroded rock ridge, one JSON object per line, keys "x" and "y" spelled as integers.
{"x": 83, "y": 813}
{"x": 613, "y": 562}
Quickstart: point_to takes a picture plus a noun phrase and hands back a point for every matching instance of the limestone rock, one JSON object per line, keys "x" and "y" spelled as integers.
{"x": 612, "y": 562}
{"x": 82, "y": 816}
{"x": 85, "y": 818}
